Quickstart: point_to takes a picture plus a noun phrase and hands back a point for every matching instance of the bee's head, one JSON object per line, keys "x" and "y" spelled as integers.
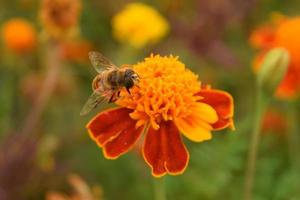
{"x": 131, "y": 78}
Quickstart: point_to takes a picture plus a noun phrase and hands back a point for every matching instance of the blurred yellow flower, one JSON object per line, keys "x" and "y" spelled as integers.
{"x": 138, "y": 25}
{"x": 19, "y": 35}
{"x": 60, "y": 17}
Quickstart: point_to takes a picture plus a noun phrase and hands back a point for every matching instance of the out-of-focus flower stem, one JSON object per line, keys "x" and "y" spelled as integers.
{"x": 271, "y": 73}
{"x": 261, "y": 103}
{"x": 15, "y": 99}
{"x": 292, "y": 135}
{"x": 53, "y": 62}
{"x": 159, "y": 189}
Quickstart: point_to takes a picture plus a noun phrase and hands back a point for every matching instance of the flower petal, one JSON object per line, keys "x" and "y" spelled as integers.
{"x": 222, "y": 102}
{"x": 263, "y": 37}
{"x": 164, "y": 150}
{"x": 115, "y": 131}
{"x": 197, "y": 126}
{"x": 290, "y": 85}
{"x": 108, "y": 125}
{"x": 194, "y": 131}
{"x": 123, "y": 142}
{"x": 205, "y": 112}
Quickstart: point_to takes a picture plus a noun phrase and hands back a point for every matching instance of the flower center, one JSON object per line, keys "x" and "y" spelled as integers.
{"x": 166, "y": 91}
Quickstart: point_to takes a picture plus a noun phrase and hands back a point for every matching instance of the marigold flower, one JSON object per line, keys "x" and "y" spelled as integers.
{"x": 138, "y": 25}
{"x": 60, "y": 17}
{"x": 284, "y": 33}
{"x": 19, "y": 35}
{"x": 169, "y": 100}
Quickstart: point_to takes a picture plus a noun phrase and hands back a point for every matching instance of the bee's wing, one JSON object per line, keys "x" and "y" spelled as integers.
{"x": 92, "y": 102}
{"x": 100, "y": 62}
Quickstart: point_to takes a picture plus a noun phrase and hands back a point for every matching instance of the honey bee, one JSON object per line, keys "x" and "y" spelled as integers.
{"x": 109, "y": 81}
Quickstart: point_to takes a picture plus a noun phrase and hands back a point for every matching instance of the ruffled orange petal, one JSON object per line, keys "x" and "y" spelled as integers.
{"x": 115, "y": 131}
{"x": 164, "y": 150}
{"x": 222, "y": 102}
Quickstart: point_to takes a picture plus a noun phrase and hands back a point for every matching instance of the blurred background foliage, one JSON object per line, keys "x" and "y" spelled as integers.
{"x": 210, "y": 37}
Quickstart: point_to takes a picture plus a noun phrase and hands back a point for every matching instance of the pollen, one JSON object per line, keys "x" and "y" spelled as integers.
{"x": 166, "y": 91}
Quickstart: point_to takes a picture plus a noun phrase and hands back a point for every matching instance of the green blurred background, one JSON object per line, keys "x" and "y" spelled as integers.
{"x": 210, "y": 37}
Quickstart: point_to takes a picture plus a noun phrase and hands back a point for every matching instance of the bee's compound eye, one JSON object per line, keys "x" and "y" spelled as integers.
{"x": 134, "y": 76}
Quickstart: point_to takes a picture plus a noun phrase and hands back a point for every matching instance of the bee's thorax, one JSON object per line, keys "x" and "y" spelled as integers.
{"x": 116, "y": 78}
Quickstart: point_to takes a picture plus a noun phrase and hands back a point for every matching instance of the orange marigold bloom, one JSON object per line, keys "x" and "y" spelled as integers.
{"x": 60, "y": 17}
{"x": 167, "y": 102}
{"x": 19, "y": 35}
{"x": 284, "y": 34}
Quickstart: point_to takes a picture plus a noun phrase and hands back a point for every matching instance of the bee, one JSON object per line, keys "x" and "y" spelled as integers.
{"x": 109, "y": 81}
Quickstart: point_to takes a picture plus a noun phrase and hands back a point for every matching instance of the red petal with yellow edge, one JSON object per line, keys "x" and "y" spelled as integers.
{"x": 164, "y": 150}
{"x": 108, "y": 124}
{"x": 222, "y": 102}
{"x": 123, "y": 142}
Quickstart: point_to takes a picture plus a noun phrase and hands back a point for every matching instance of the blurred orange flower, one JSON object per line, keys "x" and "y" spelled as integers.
{"x": 60, "y": 17}
{"x": 19, "y": 35}
{"x": 274, "y": 122}
{"x": 169, "y": 101}
{"x": 281, "y": 33}
{"x": 76, "y": 50}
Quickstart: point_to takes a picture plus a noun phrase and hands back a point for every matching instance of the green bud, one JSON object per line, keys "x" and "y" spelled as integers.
{"x": 273, "y": 69}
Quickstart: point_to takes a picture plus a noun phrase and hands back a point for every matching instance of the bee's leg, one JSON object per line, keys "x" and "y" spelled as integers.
{"x": 111, "y": 99}
{"x": 128, "y": 90}
{"x": 119, "y": 93}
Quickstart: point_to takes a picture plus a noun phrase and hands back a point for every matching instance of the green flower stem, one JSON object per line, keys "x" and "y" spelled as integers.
{"x": 261, "y": 103}
{"x": 159, "y": 189}
{"x": 15, "y": 105}
{"x": 15, "y": 70}
{"x": 292, "y": 135}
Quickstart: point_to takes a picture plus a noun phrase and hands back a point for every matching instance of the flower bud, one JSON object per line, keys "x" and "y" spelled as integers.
{"x": 273, "y": 69}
